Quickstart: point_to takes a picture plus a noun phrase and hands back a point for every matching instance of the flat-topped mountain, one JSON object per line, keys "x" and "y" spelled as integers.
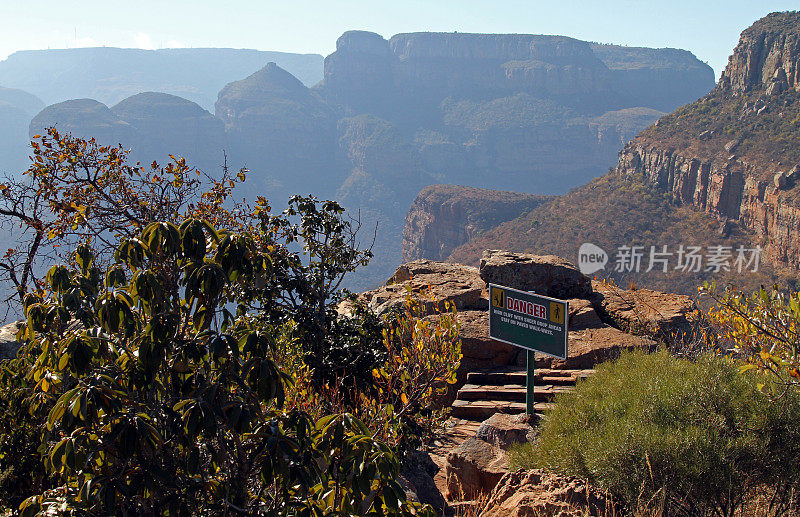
{"x": 110, "y": 74}
{"x": 429, "y": 67}
{"x": 526, "y": 113}
{"x": 722, "y": 171}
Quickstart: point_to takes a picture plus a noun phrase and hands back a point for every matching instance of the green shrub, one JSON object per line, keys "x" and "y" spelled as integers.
{"x": 695, "y": 437}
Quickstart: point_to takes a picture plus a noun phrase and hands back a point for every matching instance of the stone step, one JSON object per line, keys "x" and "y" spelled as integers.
{"x": 479, "y": 410}
{"x": 509, "y": 392}
{"x": 518, "y": 375}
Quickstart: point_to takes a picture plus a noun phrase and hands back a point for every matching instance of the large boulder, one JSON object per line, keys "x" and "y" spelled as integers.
{"x": 537, "y": 492}
{"x": 591, "y": 340}
{"x": 473, "y": 469}
{"x": 503, "y": 430}
{"x": 547, "y": 275}
{"x": 645, "y": 312}
{"x": 8, "y": 340}
{"x": 426, "y": 279}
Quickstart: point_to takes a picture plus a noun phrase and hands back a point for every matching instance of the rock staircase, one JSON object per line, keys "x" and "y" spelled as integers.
{"x": 502, "y": 390}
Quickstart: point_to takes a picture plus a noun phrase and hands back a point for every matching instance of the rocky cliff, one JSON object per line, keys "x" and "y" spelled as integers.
{"x": 736, "y": 153}
{"x": 443, "y": 217}
{"x": 722, "y": 171}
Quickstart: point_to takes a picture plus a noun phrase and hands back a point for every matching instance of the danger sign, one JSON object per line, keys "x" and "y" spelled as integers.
{"x": 528, "y": 320}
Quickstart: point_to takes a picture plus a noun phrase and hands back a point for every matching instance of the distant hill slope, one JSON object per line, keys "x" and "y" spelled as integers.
{"x": 722, "y": 170}
{"x": 17, "y": 107}
{"x": 614, "y": 211}
{"x": 110, "y": 74}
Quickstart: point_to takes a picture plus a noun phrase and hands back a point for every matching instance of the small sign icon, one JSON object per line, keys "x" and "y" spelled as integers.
{"x": 498, "y": 298}
{"x": 556, "y": 313}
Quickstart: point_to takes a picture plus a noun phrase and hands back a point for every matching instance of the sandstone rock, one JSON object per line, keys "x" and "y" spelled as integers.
{"x": 732, "y": 144}
{"x": 475, "y": 341}
{"x": 503, "y": 430}
{"x": 780, "y": 180}
{"x": 454, "y": 283}
{"x": 645, "y": 312}
{"x": 536, "y": 492}
{"x": 547, "y": 275}
{"x": 766, "y": 51}
{"x": 590, "y": 347}
{"x": 474, "y": 468}
{"x": 417, "y": 478}
{"x": 582, "y": 315}
{"x": 8, "y": 340}
{"x": 794, "y": 174}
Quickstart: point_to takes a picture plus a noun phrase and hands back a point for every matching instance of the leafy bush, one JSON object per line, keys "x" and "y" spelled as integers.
{"x": 152, "y": 379}
{"x": 694, "y": 437}
{"x": 413, "y": 365}
{"x": 162, "y": 402}
{"x": 761, "y": 329}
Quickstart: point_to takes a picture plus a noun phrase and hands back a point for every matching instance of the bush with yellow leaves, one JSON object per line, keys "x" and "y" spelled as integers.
{"x": 761, "y": 330}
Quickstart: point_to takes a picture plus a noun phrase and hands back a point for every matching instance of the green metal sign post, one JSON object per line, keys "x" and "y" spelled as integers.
{"x": 530, "y": 321}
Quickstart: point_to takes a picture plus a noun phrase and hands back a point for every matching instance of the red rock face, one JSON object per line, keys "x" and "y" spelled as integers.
{"x": 767, "y": 53}
{"x": 751, "y": 188}
{"x": 728, "y": 190}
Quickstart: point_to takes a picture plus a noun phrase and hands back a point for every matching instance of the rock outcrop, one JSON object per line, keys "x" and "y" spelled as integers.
{"x": 768, "y": 54}
{"x": 442, "y": 217}
{"x": 474, "y": 468}
{"x": 527, "y": 493}
{"x": 8, "y": 340}
{"x": 545, "y": 275}
{"x": 603, "y": 322}
{"x": 730, "y": 153}
{"x": 644, "y": 311}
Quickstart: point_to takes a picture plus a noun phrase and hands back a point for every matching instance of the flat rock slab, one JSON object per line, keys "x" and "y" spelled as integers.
{"x": 547, "y": 275}
{"x": 535, "y": 492}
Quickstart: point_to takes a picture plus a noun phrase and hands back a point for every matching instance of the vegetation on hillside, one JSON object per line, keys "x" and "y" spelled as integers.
{"x": 613, "y": 211}
{"x": 767, "y": 129}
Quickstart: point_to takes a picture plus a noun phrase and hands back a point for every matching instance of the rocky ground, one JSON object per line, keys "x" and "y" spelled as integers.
{"x": 471, "y": 456}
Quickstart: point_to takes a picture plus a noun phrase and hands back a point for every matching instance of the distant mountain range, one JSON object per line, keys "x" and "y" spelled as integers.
{"x": 109, "y": 74}
{"x": 721, "y": 171}
{"x": 534, "y": 114}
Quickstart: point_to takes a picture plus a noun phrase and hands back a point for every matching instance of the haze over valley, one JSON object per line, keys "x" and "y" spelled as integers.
{"x": 373, "y": 124}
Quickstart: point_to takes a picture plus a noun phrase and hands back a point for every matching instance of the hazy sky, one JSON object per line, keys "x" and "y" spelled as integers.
{"x": 710, "y": 29}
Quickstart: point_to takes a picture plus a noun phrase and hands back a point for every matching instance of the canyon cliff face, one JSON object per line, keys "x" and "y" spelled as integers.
{"x": 443, "y": 217}
{"x": 736, "y": 153}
